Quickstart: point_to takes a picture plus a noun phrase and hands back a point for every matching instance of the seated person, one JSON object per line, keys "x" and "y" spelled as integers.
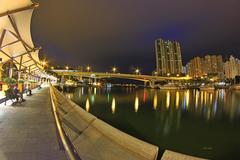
{"x": 18, "y": 94}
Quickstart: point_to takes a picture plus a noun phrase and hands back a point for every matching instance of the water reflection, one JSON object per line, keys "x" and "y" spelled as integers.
{"x": 166, "y": 117}
{"x": 177, "y": 99}
{"x": 207, "y": 104}
{"x": 87, "y": 105}
{"x": 113, "y": 106}
{"x": 136, "y": 104}
{"x": 168, "y": 99}
{"x": 155, "y": 100}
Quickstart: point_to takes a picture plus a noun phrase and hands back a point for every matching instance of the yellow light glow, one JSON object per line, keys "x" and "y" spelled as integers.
{"x": 177, "y": 99}
{"x": 137, "y": 71}
{"x": 211, "y": 98}
{"x": 196, "y": 99}
{"x": 87, "y": 105}
{"x": 114, "y": 69}
{"x": 155, "y": 101}
{"x": 201, "y": 98}
{"x": 52, "y": 67}
{"x": 136, "y": 104}
{"x": 95, "y": 91}
{"x": 168, "y": 74}
{"x": 44, "y": 63}
{"x": 168, "y": 99}
{"x": 187, "y": 98}
{"x": 113, "y": 105}
{"x": 67, "y": 68}
{"x": 88, "y": 68}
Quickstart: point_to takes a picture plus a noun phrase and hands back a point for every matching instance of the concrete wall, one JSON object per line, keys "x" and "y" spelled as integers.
{"x": 94, "y": 139}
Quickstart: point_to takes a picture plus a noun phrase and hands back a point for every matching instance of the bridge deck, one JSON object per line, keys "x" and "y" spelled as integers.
{"x": 27, "y": 130}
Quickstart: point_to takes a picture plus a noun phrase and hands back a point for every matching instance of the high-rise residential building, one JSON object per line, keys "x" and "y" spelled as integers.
{"x": 168, "y": 57}
{"x": 209, "y": 64}
{"x": 220, "y": 64}
{"x": 232, "y": 67}
{"x": 195, "y": 67}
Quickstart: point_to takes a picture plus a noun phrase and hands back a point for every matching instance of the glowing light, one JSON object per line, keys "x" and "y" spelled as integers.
{"x": 155, "y": 101}
{"x": 201, "y": 98}
{"x": 44, "y": 63}
{"x": 168, "y": 99}
{"x": 113, "y": 105}
{"x": 196, "y": 99}
{"x": 177, "y": 99}
{"x": 114, "y": 69}
{"x": 136, "y": 104}
{"x": 137, "y": 71}
{"x": 52, "y": 68}
{"x": 177, "y": 75}
{"x": 87, "y": 105}
{"x": 67, "y": 68}
{"x": 168, "y": 74}
{"x": 187, "y": 98}
{"x": 95, "y": 91}
{"x": 88, "y": 68}
{"x": 205, "y": 98}
{"x": 211, "y": 98}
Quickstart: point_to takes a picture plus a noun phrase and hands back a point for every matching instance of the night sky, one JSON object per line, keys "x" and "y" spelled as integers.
{"x": 104, "y": 33}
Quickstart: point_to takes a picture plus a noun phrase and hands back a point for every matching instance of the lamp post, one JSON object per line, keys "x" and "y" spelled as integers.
{"x": 114, "y": 69}
{"x": 137, "y": 71}
{"x": 88, "y": 68}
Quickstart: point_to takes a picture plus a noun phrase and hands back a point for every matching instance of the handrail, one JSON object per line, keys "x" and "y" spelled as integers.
{"x": 69, "y": 151}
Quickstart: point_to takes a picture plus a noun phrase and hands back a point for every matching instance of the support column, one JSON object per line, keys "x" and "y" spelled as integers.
{"x": 10, "y": 69}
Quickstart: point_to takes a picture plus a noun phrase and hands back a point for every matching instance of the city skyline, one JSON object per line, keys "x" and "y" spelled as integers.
{"x": 100, "y": 34}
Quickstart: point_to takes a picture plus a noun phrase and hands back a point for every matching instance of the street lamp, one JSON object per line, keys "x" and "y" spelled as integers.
{"x": 114, "y": 69}
{"x": 137, "y": 71}
{"x": 67, "y": 68}
{"x": 88, "y": 68}
{"x": 44, "y": 63}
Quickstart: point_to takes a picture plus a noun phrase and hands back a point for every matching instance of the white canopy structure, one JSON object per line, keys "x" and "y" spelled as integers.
{"x": 15, "y": 36}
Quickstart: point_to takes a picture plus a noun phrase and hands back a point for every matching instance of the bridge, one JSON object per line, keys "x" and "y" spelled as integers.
{"x": 147, "y": 79}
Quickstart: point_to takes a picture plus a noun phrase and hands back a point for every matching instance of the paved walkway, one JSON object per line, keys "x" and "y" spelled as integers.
{"x": 27, "y": 130}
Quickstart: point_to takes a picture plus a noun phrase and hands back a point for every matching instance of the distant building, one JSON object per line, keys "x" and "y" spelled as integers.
{"x": 232, "y": 67}
{"x": 208, "y": 65}
{"x": 168, "y": 57}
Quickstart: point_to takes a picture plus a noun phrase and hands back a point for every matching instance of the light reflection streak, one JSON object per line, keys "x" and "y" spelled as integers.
{"x": 211, "y": 99}
{"x": 87, "y": 105}
{"x": 177, "y": 100}
{"x": 95, "y": 90}
{"x": 136, "y": 104}
{"x": 113, "y": 105}
{"x": 168, "y": 99}
{"x": 201, "y": 98}
{"x": 196, "y": 99}
{"x": 144, "y": 95}
{"x": 155, "y": 101}
{"x": 187, "y": 98}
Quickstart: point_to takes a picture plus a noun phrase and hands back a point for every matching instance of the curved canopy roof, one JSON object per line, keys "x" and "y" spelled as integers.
{"x": 15, "y": 36}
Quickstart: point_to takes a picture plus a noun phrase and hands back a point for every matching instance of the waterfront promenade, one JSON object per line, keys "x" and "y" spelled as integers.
{"x": 27, "y": 130}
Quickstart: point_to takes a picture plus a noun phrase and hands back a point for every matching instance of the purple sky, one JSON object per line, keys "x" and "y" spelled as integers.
{"x": 122, "y": 33}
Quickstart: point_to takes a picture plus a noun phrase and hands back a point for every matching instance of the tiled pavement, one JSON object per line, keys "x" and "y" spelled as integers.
{"x": 27, "y": 130}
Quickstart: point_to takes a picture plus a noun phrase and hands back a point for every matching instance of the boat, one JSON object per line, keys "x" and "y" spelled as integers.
{"x": 207, "y": 88}
{"x": 170, "y": 86}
